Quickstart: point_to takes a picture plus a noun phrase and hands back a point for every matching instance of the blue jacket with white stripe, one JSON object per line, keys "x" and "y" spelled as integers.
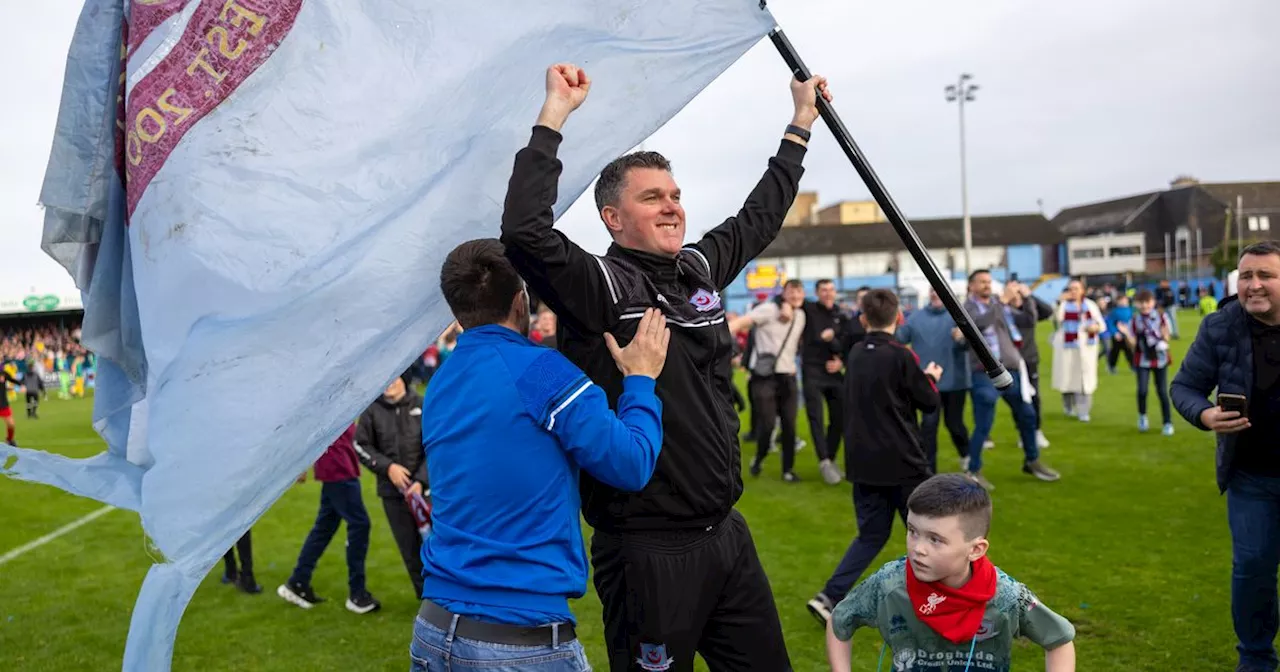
{"x": 507, "y": 425}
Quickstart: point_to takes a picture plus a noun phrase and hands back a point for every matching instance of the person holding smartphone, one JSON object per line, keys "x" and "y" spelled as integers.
{"x": 1237, "y": 351}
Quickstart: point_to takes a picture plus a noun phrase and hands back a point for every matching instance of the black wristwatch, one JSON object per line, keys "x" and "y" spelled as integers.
{"x": 798, "y": 132}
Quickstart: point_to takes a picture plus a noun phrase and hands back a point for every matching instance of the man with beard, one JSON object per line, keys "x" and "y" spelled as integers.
{"x": 675, "y": 566}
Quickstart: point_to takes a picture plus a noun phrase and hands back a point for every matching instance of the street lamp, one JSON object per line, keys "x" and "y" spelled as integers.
{"x": 961, "y": 93}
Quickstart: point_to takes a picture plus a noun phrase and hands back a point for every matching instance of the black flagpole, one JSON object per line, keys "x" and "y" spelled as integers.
{"x": 999, "y": 376}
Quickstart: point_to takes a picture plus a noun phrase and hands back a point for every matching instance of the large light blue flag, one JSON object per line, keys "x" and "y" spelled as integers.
{"x": 255, "y": 197}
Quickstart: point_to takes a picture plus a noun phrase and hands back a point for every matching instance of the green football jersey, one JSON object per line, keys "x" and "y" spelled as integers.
{"x": 882, "y": 602}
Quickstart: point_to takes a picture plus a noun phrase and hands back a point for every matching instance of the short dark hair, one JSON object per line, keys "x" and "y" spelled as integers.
{"x": 1144, "y": 295}
{"x": 947, "y": 495}
{"x": 881, "y": 308}
{"x": 793, "y": 283}
{"x": 614, "y": 175}
{"x": 1262, "y": 248}
{"x": 479, "y": 283}
{"x": 825, "y": 281}
{"x": 978, "y": 272}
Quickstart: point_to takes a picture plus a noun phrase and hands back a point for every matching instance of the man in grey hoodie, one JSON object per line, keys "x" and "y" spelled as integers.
{"x": 932, "y": 333}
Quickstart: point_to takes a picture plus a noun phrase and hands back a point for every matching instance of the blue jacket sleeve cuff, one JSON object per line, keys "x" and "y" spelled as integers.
{"x": 638, "y": 385}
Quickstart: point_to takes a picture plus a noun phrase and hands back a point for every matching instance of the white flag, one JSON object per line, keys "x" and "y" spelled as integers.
{"x": 258, "y": 223}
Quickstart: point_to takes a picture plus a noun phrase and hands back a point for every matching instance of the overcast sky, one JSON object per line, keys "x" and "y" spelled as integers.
{"x": 1078, "y": 102}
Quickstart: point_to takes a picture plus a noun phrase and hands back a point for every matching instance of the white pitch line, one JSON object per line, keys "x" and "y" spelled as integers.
{"x": 19, "y": 551}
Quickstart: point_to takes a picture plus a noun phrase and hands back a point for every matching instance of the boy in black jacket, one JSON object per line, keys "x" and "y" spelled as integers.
{"x": 884, "y": 458}
{"x": 389, "y": 443}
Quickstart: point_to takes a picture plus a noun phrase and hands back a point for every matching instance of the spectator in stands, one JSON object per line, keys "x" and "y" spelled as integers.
{"x": 1237, "y": 351}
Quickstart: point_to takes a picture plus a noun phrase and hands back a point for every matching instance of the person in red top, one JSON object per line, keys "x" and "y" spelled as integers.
{"x": 338, "y": 469}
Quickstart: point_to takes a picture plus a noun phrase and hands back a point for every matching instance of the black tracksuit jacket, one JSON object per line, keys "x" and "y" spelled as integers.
{"x": 699, "y": 476}
{"x": 881, "y": 401}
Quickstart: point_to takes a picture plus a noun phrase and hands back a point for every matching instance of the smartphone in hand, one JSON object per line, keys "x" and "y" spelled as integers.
{"x": 1234, "y": 402}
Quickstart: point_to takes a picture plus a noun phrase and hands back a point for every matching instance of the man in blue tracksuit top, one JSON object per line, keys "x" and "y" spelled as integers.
{"x": 506, "y": 425}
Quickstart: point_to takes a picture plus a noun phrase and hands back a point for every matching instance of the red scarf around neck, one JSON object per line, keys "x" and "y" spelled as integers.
{"x": 954, "y": 613}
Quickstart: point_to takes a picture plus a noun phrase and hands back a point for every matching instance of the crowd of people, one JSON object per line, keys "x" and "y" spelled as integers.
{"x": 603, "y": 386}
{"x": 35, "y": 357}
{"x": 612, "y": 378}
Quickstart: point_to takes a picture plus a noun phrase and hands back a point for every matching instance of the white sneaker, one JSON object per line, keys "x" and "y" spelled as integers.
{"x": 964, "y": 464}
{"x": 1041, "y": 440}
{"x": 988, "y": 444}
{"x": 830, "y": 474}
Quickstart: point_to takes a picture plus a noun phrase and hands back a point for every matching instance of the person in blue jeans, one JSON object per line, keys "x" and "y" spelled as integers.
{"x": 1237, "y": 351}
{"x": 996, "y": 322}
{"x": 507, "y": 426}
{"x": 338, "y": 469}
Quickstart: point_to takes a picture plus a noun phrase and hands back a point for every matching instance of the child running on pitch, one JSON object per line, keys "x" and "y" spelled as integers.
{"x": 884, "y": 457}
{"x": 1148, "y": 337}
{"x": 945, "y": 607}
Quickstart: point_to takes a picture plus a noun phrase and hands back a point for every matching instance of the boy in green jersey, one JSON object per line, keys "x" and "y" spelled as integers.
{"x": 944, "y": 607}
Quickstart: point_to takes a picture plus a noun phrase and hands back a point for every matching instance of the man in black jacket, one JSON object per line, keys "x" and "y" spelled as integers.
{"x": 675, "y": 566}
{"x": 389, "y": 442}
{"x": 828, "y": 335}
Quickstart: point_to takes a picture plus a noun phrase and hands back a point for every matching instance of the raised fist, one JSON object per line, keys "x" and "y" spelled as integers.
{"x": 567, "y": 87}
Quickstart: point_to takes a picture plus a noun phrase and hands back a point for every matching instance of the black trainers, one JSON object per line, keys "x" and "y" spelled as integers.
{"x": 790, "y": 477}
{"x": 246, "y": 584}
{"x": 756, "y": 466}
{"x": 299, "y": 594}
{"x": 820, "y": 608}
{"x": 363, "y": 603}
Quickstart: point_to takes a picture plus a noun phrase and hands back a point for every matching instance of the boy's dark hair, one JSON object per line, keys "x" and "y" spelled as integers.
{"x": 1262, "y": 248}
{"x": 947, "y": 495}
{"x": 1144, "y": 295}
{"x": 614, "y": 175}
{"x": 479, "y": 282}
{"x": 880, "y": 306}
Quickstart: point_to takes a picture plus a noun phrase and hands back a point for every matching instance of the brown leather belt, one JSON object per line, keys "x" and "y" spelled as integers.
{"x": 496, "y": 633}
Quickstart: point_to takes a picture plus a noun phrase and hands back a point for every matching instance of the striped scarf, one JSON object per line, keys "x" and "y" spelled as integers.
{"x": 1076, "y": 316}
{"x": 993, "y": 340}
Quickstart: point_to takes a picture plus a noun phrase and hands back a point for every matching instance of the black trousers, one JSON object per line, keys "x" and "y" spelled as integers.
{"x": 951, "y": 411}
{"x": 875, "y": 506}
{"x": 405, "y": 530}
{"x": 820, "y": 386}
{"x": 669, "y": 595}
{"x": 1118, "y": 348}
{"x": 243, "y": 547}
{"x": 776, "y": 397}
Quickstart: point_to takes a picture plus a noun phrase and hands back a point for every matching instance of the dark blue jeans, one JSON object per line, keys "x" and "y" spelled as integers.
{"x": 1253, "y": 511}
{"x": 985, "y": 395}
{"x": 338, "y": 502}
{"x": 1162, "y": 391}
